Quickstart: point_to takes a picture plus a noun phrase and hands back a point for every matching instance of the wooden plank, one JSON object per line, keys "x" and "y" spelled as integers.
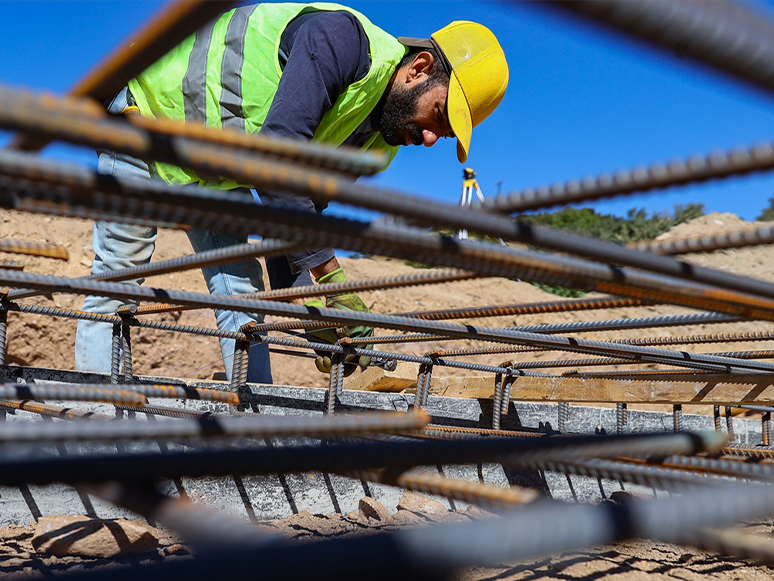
{"x": 378, "y": 379}
{"x": 673, "y": 389}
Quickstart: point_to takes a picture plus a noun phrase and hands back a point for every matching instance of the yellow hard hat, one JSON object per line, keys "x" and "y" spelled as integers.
{"x": 478, "y": 79}
{"x": 478, "y": 75}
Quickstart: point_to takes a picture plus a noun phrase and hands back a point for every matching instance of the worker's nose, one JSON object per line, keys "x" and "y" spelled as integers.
{"x": 429, "y": 137}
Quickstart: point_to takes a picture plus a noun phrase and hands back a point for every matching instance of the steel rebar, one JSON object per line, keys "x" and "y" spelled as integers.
{"x": 217, "y": 426}
{"x": 124, "y": 291}
{"x": 34, "y": 248}
{"x": 710, "y": 242}
{"x": 730, "y": 37}
{"x": 99, "y": 467}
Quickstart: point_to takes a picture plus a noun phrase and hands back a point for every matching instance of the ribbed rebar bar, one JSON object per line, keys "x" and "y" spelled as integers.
{"x": 323, "y": 188}
{"x": 115, "y": 354}
{"x": 730, "y": 423}
{"x": 210, "y": 210}
{"x": 124, "y": 291}
{"x": 126, "y": 352}
{"x": 397, "y": 281}
{"x": 733, "y": 38}
{"x": 497, "y": 401}
{"x": 710, "y": 242}
{"x": 621, "y": 418}
{"x": 168, "y": 29}
{"x": 218, "y": 426}
{"x": 204, "y": 529}
{"x": 53, "y": 411}
{"x": 588, "y": 326}
{"x": 654, "y": 477}
{"x": 33, "y": 248}
{"x": 563, "y": 415}
{"x": 766, "y": 428}
{"x": 537, "y": 529}
{"x": 99, "y": 467}
{"x": 90, "y": 392}
{"x": 720, "y": 466}
{"x": 677, "y": 417}
{"x": 336, "y": 381}
{"x": 227, "y": 255}
{"x": 489, "y": 497}
{"x": 455, "y": 432}
{"x": 3, "y": 333}
{"x": 716, "y": 417}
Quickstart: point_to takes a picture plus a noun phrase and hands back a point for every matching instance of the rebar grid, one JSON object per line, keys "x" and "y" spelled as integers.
{"x": 28, "y": 185}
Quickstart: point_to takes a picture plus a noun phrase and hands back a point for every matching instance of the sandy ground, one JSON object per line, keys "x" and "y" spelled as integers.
{"x": 47, "y": 342}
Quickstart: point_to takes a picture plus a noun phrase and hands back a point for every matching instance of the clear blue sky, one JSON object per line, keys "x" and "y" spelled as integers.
{"x": 580, "y": 101}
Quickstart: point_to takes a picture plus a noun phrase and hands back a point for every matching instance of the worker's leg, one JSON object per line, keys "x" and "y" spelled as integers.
{"x": 232, "y": 279}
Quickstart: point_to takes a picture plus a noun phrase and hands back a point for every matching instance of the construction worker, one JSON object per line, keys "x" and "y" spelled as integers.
{"x": 319, "y": 72}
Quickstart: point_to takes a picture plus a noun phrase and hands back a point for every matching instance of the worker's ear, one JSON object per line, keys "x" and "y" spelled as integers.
{"x": 420, "y": 67}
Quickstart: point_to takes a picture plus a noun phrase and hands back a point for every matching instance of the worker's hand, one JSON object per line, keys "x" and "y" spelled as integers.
{"x": 346, "y": 302}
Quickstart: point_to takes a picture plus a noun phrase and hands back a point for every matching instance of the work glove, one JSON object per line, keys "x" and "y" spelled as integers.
{"x": 346, "y": 302}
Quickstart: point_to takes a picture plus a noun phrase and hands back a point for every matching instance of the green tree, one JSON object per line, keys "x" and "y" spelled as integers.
{"x": 767, "y": 215}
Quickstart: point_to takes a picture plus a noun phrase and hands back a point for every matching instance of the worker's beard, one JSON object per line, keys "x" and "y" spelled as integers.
{"x": 400, "y": 106}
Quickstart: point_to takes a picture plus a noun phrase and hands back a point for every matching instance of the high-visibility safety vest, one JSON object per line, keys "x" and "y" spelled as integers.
{"x": 226, "y": 75}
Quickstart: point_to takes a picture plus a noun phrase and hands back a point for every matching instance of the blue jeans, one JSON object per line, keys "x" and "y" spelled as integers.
{"x": 119, "y": 246}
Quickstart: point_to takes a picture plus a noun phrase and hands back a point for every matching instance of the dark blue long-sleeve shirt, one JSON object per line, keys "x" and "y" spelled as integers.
{"x": 321, "y": 53}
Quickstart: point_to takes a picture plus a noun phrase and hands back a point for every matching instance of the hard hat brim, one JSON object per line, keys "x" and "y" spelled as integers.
{"x": 459, "y": 117}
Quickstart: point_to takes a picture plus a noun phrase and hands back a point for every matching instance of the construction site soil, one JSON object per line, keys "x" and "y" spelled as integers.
{"x": 48, "y": 342}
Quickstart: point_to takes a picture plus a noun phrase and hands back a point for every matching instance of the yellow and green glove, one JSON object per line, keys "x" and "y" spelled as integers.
{"x": 346, "y": 302}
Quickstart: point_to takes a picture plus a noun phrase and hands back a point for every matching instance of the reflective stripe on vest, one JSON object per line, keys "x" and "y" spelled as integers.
{"x": 226, "y": 75}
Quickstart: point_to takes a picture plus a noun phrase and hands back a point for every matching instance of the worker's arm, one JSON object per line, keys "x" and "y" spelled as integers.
{"x": 325, "y": 52}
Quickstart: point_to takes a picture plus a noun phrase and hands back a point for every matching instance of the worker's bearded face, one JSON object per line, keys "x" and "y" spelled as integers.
{"x": 397, "y": 123}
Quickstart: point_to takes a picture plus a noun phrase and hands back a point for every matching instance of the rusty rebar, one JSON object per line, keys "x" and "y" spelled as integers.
{"x": 219, "y": 426}
{"x": 167, "y": 30}
{"x": 31, "y": 248}
{"x": 396, "y": 281}
{"x": 90, "y": 392}
{"x": 490, "y": 497}
{"x": 710, "y": 242}
{"x": 53, "y": 411}
{"x": 387, "y": 238}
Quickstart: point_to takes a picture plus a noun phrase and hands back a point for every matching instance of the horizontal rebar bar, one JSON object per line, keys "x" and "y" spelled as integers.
{"x": 130, "y": 393}
{"x": 490, "y": 497}
{"x": 585, "y": 326}
{"x": 34, "y": 391}
{"x": 217, "y": 426}
{"x": 124, "y": 291}
{"x": 228, "y": 255}
{"x": 651, "y": 476}
{"x": 79, "y": 121}
{"x": 710, "y": 242}
{"x": 729, "y": 37}
{"x": 700, "y": 464}
{"x": 385, "y": 282}
{"x": 125, "y": 200}
{"x": 204, "y": 529}
{"x": 414, "y": 554}
{"x": 323, "y": 188}
{"x": 53, "y": 411}
{"x": 101, "y": 467}
{"x": 34, "y": 248}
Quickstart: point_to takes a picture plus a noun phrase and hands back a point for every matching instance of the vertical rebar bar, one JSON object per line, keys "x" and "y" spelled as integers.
{"x": 115, "y": 354}
{"x": 730, "y": 423}
{"x": 239, "y": 372}
{"x": 677, "y": 417}
{"x": 507, "y": 384}
{"x": 423, "y": 385}
{"x": 336, "y": 384}
{"x": 497, "y": 400}
{"x": 621, "y": 418}
{"x": 716, "y": 415}
{"x": 563, "y": 413}
{"x": 3, "y": 333}
{"x": 766, "y": 428}
{"x": 126, "y": 346}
